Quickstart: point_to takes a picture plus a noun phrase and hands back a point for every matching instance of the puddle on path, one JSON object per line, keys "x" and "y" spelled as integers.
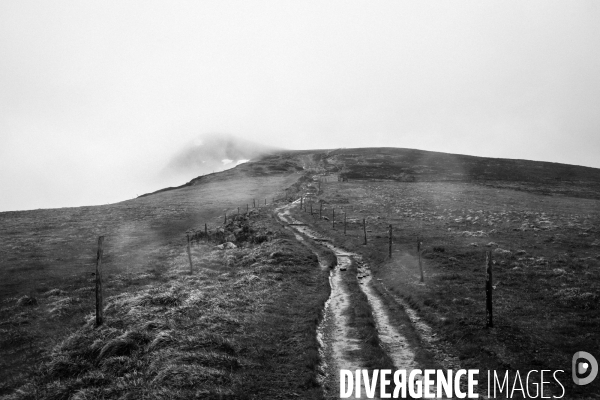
{"x": 338, "y": 347}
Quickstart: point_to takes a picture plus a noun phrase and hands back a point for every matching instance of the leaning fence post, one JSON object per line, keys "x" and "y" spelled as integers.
{"x": 365, "y": 230}
{"x": 189, "y": 255}
{"x": 420, "y": 264}
{"x": 99, "y": 298}
{"x": 488, "y": 290}
{"x": 390, "y": 250}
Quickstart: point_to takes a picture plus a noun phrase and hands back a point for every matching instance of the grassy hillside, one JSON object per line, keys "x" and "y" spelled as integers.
{"x": 545, "y": 215}
{"x": 49, "y": 252}
{"x": 241, "y": 325}
{"x": 423, "y": 166}
{"x": 546, "y": 252}
{"x": 410, "y": 165}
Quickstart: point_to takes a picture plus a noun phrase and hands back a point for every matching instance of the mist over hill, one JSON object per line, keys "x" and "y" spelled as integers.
{"x": 211, "y": 153}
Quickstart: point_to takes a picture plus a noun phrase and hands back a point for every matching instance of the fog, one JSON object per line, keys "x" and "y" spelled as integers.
{"x": 98, "y": 99}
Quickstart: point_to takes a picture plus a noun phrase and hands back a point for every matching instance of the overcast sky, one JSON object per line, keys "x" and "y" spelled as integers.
{"x": 96, "y": 97}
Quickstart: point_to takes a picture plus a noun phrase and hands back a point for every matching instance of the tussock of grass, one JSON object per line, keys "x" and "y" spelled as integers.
{"x": 242, "y": 326}
{"x": 161, "y": 299}
{"x": 86, "y": 289}
{"x": 62, "y": 305}
{"x": 576, "y": 298}
{"x": 27, "y": 301}
{"x": 162, "y": 339}
{"x": 118, "y": 347}
{"x": 328, "y": 257}
{"x": 54, "y": 292}
{"x": 154, "y": 325}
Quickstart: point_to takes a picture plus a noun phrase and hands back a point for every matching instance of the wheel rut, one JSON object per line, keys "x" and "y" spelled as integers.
{"x": 339, "y": 347}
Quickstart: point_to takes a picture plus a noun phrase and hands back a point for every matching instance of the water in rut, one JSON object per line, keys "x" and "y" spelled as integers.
{"x": 340, "y": 350}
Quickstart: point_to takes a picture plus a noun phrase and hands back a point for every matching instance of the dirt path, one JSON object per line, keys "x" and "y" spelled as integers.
{"x": 340, "y": 350}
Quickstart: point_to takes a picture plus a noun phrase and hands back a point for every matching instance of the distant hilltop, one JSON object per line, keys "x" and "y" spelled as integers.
{"x": 399, "y": 164}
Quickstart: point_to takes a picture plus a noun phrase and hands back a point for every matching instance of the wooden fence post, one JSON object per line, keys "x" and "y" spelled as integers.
{"x": 390, "y": 250}
{"x": 265, "y": 202}
{"x": 321, "y": 211}
{"x": 190, "y": 255}
{"x": 205, "y": 232}
{"x": 311, "y": 213}
{"x": 365, "y": 230}
{"x": 253, "y": 203}
{"x": 344, "y": 224}
{"x": 333, "y": 218}
{"x": 225, "y": 218}
{"x": 301, "y": 199}
{"x": 420, "y": 264}
{"x": 99, "y": 298}
{"x": 488, "y": 290}
{"x": 238, "y": 211}
{"x": 247, "y": 207}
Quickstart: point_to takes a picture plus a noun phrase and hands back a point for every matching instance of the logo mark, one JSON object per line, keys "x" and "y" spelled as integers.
{"x": 584, "y": 368}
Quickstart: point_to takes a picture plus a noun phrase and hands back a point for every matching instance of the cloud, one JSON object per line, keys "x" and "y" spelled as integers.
{"x": 119, "y": 89}
{"x": 211, "y": 153}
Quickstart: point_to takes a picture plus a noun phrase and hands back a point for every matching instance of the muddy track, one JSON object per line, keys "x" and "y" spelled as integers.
{"x": 339, "y": 347}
